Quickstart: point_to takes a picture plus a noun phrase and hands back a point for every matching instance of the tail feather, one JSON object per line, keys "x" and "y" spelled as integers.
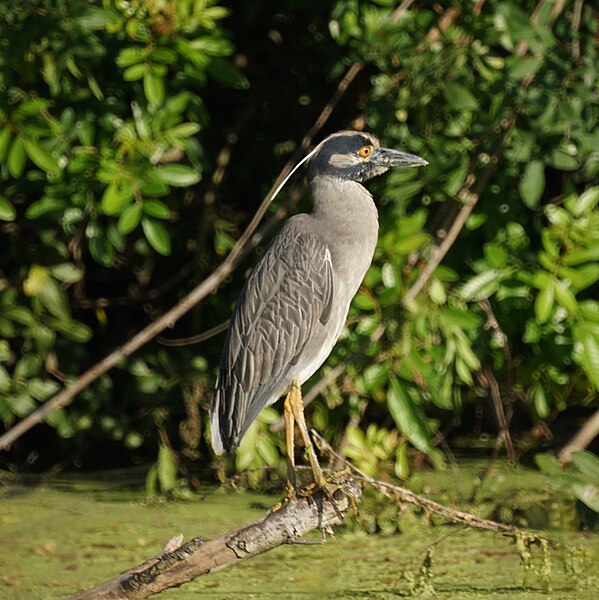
{"x": 215, "y": 434}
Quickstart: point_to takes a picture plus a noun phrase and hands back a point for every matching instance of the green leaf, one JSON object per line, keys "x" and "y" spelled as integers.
{"x": 184, "y": 130}
{"x": 102, "y": 251}
{"x": 456, "y": 178}
{"x": 19, "y": 314}
{"x": 5, "y": 137}
{"x": 465, "y": 351}
{"x": 582, "y": 277}
{"x": 267, "y": 450}
{"x": 519, "y": 67}
{"x": 459, "y": 97}
{"x": 152, "y": 481}
{"x": 363, "y": 301}
{"x": 41, "y": 157}
{"x": 178, "y": 175}
{"x": 532, "y": 183}
{"x": 460, "y": 319}
{"x": 476, "y": 285}
{"x": 76, "y": 331}
{"x": 496, "y": 255}
{"x": 577, "y": 257}
{"x": 565, "y": 297}
{"x": 134, "y": 72}
{"x": 410, "y": 243}
{"x": 586, "y": 201}
{"x": 589, "y": 310}
{"x": 157, "y": 209}
{"x": 54, "y": 299}
{"x": 95, "y": 88}
{"x": 67, "y": 272}
{"x": 588, "y": 494}
{"x": 131, "y": 56}
{"x": 165, "y": 55}
{"x": 157, "y": 236}
{"x": 537, "y": 393}
{"x": 409, "y": 422}
{"x": 42, "y": 389}
{"x": 562, "y": 160}
{"x": 212, "y": 45}
{"x": 544, "y": 302}
{"x": 222, "y": 70}
{"x": 375, "y": 376}
{"x": 389, "y": 275}
{"x": 167, "y": 468}
{"x": 590, "y": 352}
{"x": 548, "y": 464}
{"x": 96, "y": 18}
{"x": 7, "y": 210}
{"x": 463, "y": 371}
{"x": 436, "y": 292}
{"x": 43, "y": 206}
{"x": 116, "y": 196}
{"x": 587, "y": 463}
{"x": 16, "y": 158}
{"x": 153, "y": 88}
{"x": 407, "y": 190}
{"x": 130, "y": 218}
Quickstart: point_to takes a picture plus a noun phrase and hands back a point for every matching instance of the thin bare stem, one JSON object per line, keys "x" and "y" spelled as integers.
{"x": 404, "y": 495}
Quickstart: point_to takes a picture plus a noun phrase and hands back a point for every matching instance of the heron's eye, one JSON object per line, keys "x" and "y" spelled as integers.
{"x": 365, "y": 151}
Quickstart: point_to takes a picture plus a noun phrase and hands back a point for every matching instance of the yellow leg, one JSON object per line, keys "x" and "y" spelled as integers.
{"x": 297, "y": 406}
{"x": 290, "y": 446}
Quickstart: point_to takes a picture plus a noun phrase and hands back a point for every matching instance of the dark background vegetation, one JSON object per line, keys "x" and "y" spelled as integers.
{"x": 138, "y": 138}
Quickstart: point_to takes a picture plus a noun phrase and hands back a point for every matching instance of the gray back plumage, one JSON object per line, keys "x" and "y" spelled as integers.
{"x": 289, "y": 291}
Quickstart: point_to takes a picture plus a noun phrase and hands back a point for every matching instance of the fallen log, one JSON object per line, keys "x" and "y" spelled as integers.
{"x": 198, "y": 557}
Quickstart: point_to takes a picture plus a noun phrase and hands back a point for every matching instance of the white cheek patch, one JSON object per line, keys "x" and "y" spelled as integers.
{"x": 344, "y": 160}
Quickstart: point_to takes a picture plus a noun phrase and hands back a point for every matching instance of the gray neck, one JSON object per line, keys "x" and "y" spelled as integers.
{"x": 344, "y": 203}
{"x": 346, "y": 219}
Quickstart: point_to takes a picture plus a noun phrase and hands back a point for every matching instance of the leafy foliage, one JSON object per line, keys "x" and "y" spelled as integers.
{"x": 116, "y": 196}
{"x": 583, "y": 484}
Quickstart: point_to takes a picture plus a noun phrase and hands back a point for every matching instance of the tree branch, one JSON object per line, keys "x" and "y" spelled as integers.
{"x": 402, "y": 494}
{"x": 587, "y": 433}
{"x": 199, "y": 557}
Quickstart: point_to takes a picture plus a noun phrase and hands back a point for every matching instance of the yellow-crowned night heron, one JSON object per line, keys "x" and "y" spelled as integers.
{"x": 295, "y": 302}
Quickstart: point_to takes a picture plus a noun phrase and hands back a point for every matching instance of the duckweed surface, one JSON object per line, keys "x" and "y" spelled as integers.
{"x": 61, "y": 537}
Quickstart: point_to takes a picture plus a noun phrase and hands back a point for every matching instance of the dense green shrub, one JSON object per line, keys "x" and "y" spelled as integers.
{"x": 111, "y": 117}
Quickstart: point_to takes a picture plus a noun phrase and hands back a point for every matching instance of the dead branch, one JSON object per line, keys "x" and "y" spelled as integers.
{"x": 587, "y": 433}
{"x": 402, "y": 494}
{"x": 200, "y": 557}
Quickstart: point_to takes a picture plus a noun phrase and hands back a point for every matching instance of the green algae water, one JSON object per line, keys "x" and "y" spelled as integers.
{"x": 62, "y": 537}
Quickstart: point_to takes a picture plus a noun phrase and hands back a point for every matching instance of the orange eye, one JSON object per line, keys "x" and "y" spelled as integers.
{"x": 365, "y": 151}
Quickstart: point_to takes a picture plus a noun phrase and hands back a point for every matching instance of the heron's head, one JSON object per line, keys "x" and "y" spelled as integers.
{"x": 356, "y": 156}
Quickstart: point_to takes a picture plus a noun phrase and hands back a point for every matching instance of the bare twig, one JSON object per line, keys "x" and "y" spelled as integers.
{"x": 200, "y": 557}
{"x": 576, "y": 18}
{"x": 488, "y": 380}
{"x": 246, "y": 242}
{"x": 499, "y": 335}
{"x": 400, "y": 10}
{"x": 404, "y": 495}
{"x": 587, "y": 433}
{"x": 195, "y": 339}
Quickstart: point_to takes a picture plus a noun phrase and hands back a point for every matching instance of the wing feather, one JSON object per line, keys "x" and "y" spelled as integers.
{"x": 288, "y": 293}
